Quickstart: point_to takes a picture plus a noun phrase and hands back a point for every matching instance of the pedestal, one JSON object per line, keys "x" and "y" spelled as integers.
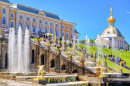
{"x": 48, "y": 47}
{"x": 105, "y": 64}
{"x": 69, "y": 57}
{"x": 120, "y": 70}
{"x": 43, "y": 82}
{"x": 38, "y": 42}
{"x": 58, "y": 52}
{"x": 98, "y": 72}
{"x": 81, "y": 63}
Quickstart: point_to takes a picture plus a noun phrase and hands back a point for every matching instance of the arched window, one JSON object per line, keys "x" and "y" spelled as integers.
{"x": 56, "y": 32}
{"x": 67, "y": 34}
{"x": 46, "y": 22}
{"x": 52, "y": 63}
{"x": 45, "y": 29}
{"x": 71, "y": 35}
{"x": 62, "y": 26}
{"x": 4, "y": 11}
{"x": 63, "y": 67}
{"x": 42, "y": 59}
{"x": 56, "y": 25}
{"x": 32, "y": 57}
{"x": 67, "y": 27}
{"x": 40, "y": 29}
{"x": 12, "y": 14}
{"x": 20, "y": 24}
{"x": 34, "y": 28}
{"x": 27, "y": 18}
{"x": 51, "y": 31}
{"x": 28, "y": 26}
{"x": 75, "y": 71}
{"x": 71, "y": 28}
{"x": 34, "y": 20}
{"x": 3, "y": 20}
{"x": 51, "y": 24}
{"x": 12, "y": 24}
{"x": 6, "y": 61}
{"x": 21, "y": 17}
{"x": 62, "y": 33}
{"x": 40, "y": 21}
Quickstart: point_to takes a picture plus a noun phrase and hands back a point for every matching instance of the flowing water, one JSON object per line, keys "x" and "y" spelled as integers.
{"x": 18, "y": 50}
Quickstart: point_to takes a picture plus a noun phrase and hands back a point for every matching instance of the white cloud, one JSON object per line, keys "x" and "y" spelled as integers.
{"x": 128, "y": 12}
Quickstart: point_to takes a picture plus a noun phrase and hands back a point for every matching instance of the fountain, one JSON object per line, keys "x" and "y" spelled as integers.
{"x": 18, "y": 55}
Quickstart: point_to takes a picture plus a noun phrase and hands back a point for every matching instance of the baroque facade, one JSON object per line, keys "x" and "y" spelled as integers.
{"x": 39, "y": 21}
{"x": 112, "y": 37}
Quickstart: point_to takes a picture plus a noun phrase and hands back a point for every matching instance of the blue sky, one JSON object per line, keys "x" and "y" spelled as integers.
{"x": 89, "y": 15}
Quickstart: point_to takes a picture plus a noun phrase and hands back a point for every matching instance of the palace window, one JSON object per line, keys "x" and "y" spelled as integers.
{"x": 62, "y": 33}
{"x": 34, "y": 28}
{"x": 4, "y": 11}
{"x": 46, "y": 22}
{"x": 56, "y": 25}
{"x": 51, "y": 24}
{"x": 62, "y": 26}
{"x": 3, "y": 20}
{"x": 56, "y": 32}
{"x": 12, "y": 14}
{"x": 71, "y": 35}
{"x": 28, "y": 26}
{"x": 45, "y": 29}
{"x": 21, "y": 17}
{"x": 34, "y": 20}
{"x": 71, "y": 28}
{"x": 67, "y": 34}
{"x": 51, "y": 30}
{"x": 12, "y": 24}
{"x": 40, "y": 29}
{"x": 27, "y": 18}
{"x": 20, "y": 24}
{"x": 67, "y": 27}
{"x": 40, "y": 21}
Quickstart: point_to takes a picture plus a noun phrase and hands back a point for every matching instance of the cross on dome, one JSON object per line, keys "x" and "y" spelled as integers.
{"x": 111, "y": 11}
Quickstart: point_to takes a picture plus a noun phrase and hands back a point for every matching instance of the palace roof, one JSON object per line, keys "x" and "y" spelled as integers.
{"x": 33, "y": 10}
{"x": 7, "y": 1}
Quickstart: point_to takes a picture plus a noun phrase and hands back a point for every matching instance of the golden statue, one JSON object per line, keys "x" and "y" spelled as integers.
{"x": 99, "y": 63}
{"x": 1, "y": 31}
{"x": 102, "y": 72}
{"x": 40, "y": 71}
{"x": 48, "y": 42}
{"x": 55, "y": 37}
{"x": 70, "y": 52}
{"x": 121, "y": 64}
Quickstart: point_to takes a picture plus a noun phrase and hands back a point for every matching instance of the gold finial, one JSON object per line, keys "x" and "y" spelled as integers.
{"x": 111, "y": 11}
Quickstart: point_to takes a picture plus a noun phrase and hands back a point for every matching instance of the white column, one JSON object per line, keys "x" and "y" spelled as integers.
{"x": 31, "y": 24}
{"x": 59, "y": 31}
{"x": 43, "y": 25}
{"x": 8, "y": 16}
{"x": 54, "y": 28}
{"x": 37, "y": 26}
{"x": 17, "y": 19}
{"x": 24, "y": 15}
{"x": 49, "y": 26}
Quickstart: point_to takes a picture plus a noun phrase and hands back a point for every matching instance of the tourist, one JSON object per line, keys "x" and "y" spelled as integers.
{"x": 124, "y": 63}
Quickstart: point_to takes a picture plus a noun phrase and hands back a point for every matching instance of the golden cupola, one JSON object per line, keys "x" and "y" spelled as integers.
{"x": 111, "y": 19}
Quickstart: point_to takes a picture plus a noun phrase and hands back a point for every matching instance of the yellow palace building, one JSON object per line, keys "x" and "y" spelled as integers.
{"x": 39, "y": 21}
